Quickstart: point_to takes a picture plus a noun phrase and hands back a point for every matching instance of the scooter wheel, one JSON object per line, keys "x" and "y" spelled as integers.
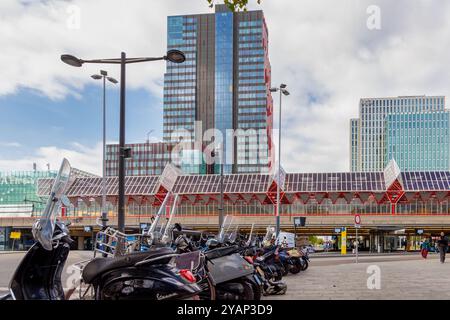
{"x": 295, "y": 269}
{"x": 257, "y": 290}
{"x": 305, "y": 265}
{"x": 248, "y": 291}
{"x": 209, "y": 291}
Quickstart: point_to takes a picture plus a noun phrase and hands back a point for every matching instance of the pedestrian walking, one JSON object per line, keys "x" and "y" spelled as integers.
{"x": 424, "y": 248}
{"x": 443, "y": 245}
{"x": 284, "y": 243}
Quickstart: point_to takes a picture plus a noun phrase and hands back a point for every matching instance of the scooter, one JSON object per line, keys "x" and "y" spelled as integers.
{"x": 220, "y": 270}
{"x": 147, "y": 275}
{"x": 290, "y": 264}
{"x": 265, "y": 273}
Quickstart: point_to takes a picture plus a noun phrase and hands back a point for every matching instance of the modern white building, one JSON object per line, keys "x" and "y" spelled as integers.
{"x": 370, "y": 142}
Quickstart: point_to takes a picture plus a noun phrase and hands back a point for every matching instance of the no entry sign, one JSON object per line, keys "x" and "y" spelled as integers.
{"x": 357, "y": 220}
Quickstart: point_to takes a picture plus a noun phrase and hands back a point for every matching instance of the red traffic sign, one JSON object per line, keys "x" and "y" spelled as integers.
{"x": 357, "y": 219}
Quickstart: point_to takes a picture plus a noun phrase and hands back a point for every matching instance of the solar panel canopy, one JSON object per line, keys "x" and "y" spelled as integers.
{"x": 256, "y": 183}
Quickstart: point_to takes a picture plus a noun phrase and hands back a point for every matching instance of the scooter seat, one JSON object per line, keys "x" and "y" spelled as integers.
{"x": 98, "y": 266}
{"x": 220, "y": 252}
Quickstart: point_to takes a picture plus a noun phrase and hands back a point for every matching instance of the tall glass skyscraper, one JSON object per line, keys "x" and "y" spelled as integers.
{"x": 354, "y": 130}
{"x": 372, "y": 145}
{"x": 224, "y": 85}
{"x": 419, "y": 141}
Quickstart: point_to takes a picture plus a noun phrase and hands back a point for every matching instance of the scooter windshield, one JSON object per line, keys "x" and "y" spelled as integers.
{"x": 44, "y": 227}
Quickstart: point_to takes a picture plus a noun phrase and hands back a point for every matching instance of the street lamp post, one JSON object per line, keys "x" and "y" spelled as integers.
{"x": 104, "y": 75}
{"x": 174, "y": 56}
{"x": 148, "y": 135}
{"x": 221, "y": 188}
{"x": 218, "y": 150}
{"x": 283, "y": 91}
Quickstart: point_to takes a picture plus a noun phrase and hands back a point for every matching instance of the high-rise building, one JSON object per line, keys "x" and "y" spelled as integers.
{"x": 371, "y": 146}
{"x": 354, "y": 144}
{"x": 146, "y": 158}
{"x": 419, "y": 141}
{"x": 224, "y": 85}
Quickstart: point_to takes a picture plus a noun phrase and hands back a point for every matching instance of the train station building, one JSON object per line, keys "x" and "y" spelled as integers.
{"x": 397, "y": 208}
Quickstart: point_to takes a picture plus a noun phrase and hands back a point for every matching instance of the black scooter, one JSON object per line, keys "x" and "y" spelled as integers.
{"x": 141, "y": 275}
{"x": 221, "y": 271}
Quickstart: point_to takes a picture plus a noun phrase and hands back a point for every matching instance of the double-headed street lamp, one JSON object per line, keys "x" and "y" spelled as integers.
{"x": 283, "y": 91}
{"x": 104, "y": 75}
{"x": 174, "y": 56}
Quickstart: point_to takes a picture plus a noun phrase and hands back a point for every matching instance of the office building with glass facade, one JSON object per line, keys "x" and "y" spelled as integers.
{"x": 18, "y": 198}
{"x": 419, "y": 141}
{"x": 146, "y": 158}
{"x": 369, "y": 150}
{"x": 223, "y": 85}
{"x": 354, "y": 144}
{"x": 18, "y": 192}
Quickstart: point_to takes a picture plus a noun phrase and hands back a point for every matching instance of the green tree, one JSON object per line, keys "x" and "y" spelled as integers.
{"x": 313, "y": 240}
{"x": 234, "y": 5}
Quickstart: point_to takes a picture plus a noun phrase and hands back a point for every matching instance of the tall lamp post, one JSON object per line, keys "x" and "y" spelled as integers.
{"x": 283, "y": 91}
{"x": 104, "y": 75}
{"x": 218, "y": 151}
{"x": 174, "y": 56}
{"x": 148, "y": 135}
{"x": 221, "y": 186}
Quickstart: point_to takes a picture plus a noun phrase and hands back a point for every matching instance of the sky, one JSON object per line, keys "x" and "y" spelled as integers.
{"x": 329, "y": 53}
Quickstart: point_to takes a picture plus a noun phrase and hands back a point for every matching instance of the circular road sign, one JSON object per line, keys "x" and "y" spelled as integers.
{"x": 357, "y": 219}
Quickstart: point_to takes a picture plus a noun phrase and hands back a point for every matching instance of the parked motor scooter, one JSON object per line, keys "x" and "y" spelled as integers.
{"x": 148, "y": 275}
{"x": 220, "y": 270}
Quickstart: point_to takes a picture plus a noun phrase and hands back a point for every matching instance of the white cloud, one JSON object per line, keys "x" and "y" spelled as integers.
{"x": 79, "y": 156}
{"x": 321, "y": 49}
{"x": 34, "y": 34}
{"x": 324, "y": 49}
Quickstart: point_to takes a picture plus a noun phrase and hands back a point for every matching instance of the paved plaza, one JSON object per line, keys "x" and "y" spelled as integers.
{"x": 400, "y": 277}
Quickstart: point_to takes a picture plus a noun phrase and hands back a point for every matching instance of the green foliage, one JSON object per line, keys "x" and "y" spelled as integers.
{"x": 313, "y": 240}
{"x": 234, "y": 5}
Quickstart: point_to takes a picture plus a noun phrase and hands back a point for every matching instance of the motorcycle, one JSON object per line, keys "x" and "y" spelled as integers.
{"x": 220, "y": 269}
{"x": 266, "y": 273}
{"x": 290, "y": 260}
{"x": 140, "y": 275}
{"x": 305, "y": 257}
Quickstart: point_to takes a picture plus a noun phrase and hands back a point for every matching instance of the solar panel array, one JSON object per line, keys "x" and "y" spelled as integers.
{"x": 233, "y": 183}
{"x": 423, "y": 181}
{"x": 93, "y": 186}
{"x": 256, "y": 183}
{"x": 335, "y": 182}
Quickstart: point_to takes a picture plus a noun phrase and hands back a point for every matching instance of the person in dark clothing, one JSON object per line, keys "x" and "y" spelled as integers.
{"x": 443, "y": 245}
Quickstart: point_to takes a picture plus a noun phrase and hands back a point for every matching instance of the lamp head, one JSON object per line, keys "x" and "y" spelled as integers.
{"x": 112, "y": 80}
{"x": 175, "y": 56}
{"x": 96, "y": 77}
{"x": 71, "y": 60}
{"x": 285, "y": 92}
{"x": 273, "y": 89}
{"x": 283, "y": 86}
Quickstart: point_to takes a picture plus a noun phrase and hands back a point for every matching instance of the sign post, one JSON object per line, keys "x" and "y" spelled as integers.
{"x": 344, "y": 240}
{"x": 357, "y": 226}
{"x": 14, "y": 235}
{"x": 298, "y": 222}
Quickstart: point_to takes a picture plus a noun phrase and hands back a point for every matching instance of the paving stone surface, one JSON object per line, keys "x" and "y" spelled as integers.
{"x": 402, "y": 278}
